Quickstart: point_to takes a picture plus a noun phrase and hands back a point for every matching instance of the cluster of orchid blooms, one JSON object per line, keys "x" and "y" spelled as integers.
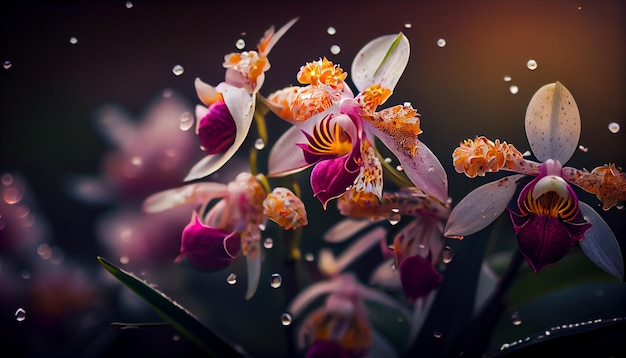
{"x": 335, "y": 134}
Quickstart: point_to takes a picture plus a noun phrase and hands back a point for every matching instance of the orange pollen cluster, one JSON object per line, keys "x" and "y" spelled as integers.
{"x": 309, "y": 101}
{"x": 372, "y": 97}
{"x": 612, "y": 189}
{"x": 401, "y": 122}
{"x": 322, "y": 72}
{"x": 481, "y": 155}
{"x": 285, "y": 208}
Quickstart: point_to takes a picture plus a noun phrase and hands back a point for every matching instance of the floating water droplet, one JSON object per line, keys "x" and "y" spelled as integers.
{"x": 12, "y": 196}
{"x": 285, "y": 319}
{"x": 7, "y": 64}
{"x": 507, "y": 78}
{"x": 20, "y": 314}
{"x": 531, "y": 64}
{"x": 387, "y": 160}
{"x": 276, "y": 280}
{"x": 335, "y": 49}
{"x": 580, "y": 8}
{"x": 513, "y": 89}
{"x": 407, "y": 25}
{"x": 129, "y": 4}
{"x": 399, "y": 168}
{"x": 136, "y": 161}
{"x": 7, "y": 179}
{"x": 44, "y": 251}
{"x": 25, "y": 274}
{"x": 309, "y": 257}
{"x": 614, "y": 127}
{"x": 331, "y": 30}
{"x": 268, "y": 243}
{"x": 240, "y": 44}
{"x": 259, "y": 144}
{"x": 516, "y": 319}
{"x": 504, "y": 346}
{"x": 583, "y": 148}
{"x": 176, "y": 338}
{"x": 178, "y": 70}
{"x": 448, "y": 254}
{"x": 186, "y": 121}
{"x": 437, "y": 334}
{"x": 73, "y": 40}
{"x": 395, "y": 216}
{"x": 441, "y": 42}
{"x": 231, "y": 279}
{"x": 124, "y": 260}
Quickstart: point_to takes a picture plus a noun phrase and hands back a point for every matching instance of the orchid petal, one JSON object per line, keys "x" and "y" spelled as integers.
{"x": 305, "y": 297}
{"x": 118, "y": 127}
{"x": 344, "y": 229}
{"x": 241, "y": 107}
{"x": 377, "y": 296}
{"x": 553, "y": 123}
{"x": 193, "y": 193}
{"x": 386, "y": 277}
{"x": 276, "y": 36}
{"x": 253, "y": 263}
{"x": 382, "y": 61}
{"x": 360, "y": 246}
{"x": 600, "y": 244}
{"x": 206, "y": 93}
{"x": 481, "y": 207}
{"x": 285, "y": 157}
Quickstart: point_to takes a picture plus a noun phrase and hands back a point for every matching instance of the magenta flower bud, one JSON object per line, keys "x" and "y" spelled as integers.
{"x": 217, "y": 129}
{"x": 418, "y": 276}
{"x": 208, "y": 248}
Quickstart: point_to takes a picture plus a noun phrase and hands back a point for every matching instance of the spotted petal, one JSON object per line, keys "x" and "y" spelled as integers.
{"x": 600, "y": 244}
{"x": 241, "y": 107}
{"x": 481, "y": 207}
{"x": 382, "y": 61}
{"x": 553, "y": 123}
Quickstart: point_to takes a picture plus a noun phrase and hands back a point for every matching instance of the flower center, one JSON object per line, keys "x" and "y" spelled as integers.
{"x": 550, "y": 197}
{"x": 329, "y": 139}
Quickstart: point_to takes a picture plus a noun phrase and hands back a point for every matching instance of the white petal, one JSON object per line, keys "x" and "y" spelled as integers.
{"x": 206, "y": 93}
{"x": 382, "y": 61}
{"x": 201, "y": 111}
{"x": 481, "y": 207}
{"x": 386, "y": 277}
{"x": 553, "y": 123}
{"x": 241, "y": 107}
{"x": 253, "y": 263}
{"x": 345, "y": 229}
{"x": 306, "y": 296}
{"x": 193, "y": 193}
{"x": 118, "y": 127}
{"x": 600, "y": 244}
{"x": 278, "y": 34}
{"x": 285, "y": 157}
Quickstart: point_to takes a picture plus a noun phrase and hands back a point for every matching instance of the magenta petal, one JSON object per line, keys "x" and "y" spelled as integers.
{"x": 217, "y": 129}
{"x": 545, "y": 240}
{"x": 418, "y": 277}
{"x": 323, "y": 349}
{"x": 329, "y": 178}
{"x": 208, "y": 248}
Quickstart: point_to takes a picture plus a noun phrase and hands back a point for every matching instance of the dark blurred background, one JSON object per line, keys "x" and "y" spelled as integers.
{"x": 64, "y": 61}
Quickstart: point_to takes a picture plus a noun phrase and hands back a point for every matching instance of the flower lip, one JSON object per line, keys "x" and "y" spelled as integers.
{"x": 217, "y": 129}
{"x": 550, "y": 183}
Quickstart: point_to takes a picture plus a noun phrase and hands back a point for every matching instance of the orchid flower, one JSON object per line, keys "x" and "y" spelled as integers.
{"x": 224, "y": 119}
{"x": 213, "y": 238}
{"x": 336, "y": 130}
{"x": 547, "y": 216}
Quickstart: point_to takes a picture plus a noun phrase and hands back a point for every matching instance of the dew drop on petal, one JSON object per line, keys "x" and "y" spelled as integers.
{"x": 186, "y": 121}
{"x": 129, "y": 4}
{"x": 7, "y": 64}
{"x": 259, "y": 144}
{"x": 178, "y": 70}
{"x": 335, "y": 49}
{"x": 240, "y": 44}
{"x": 441, "y": 42}
{"x": 516, "y": 318}
{"x": 614, "y": 127}
{"x": 231, "y": 279}
{"x": 447, "y": 254}
{"x": 73, "y": 40}
{"x": 507, "y": 78}
{"x": 12, "y": 196}
{"x": 531, "y": 64}
{"x": 513, "y": 89}
{"x": 408, "y": 25}
{"x": 276, "y": 280}
{"x": 268, "y": 243}
{"x": 285, "y": 319}
{"x": 331, "y": 30}
{"x": 20, "y": 314}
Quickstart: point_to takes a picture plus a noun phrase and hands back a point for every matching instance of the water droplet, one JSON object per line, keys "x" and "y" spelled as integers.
{"x": 124, "y": 260}
{"x": 285, "y": 319}
{"x": 448, "y": 254}
{"x": 614, "y": 127}
{"x": 407, "y": 25}
{"x": 73, "y": 40}
{"x": 25, "y": 274}
{"x": 507, "y": 78}
{"x": 259, "y": 144}
{"x": 309, "y": 257}
{"x": 583, "y": 148}
{"x": 268, "y": 243}
{"x": 7, "y": 64}
{"x": 399, "y": 168}
{"x": 441, "y": 42}
{"x": 531, "y": 64}
{"x": 504, "y": 346}
{"x": 331, "y": 30}
{"x": 240, "y": 44}
{"x": 437, "y": 334}
{"x": 44, "y": 251}
{"x": 516, "y": 319}
{"x": 176, "y": 338}
{"x": 231, "y": 279}
{"x": 12, "y": 196}
{"x": 580, "y": 8}
{"x": 178, "y": 70}
{"x": 395, "y": 216}
{"x": 276, "y": 280}
{"x": 186, "y": 121}
{"x": 387, "y": 160}
{"x": 136, "y": 161}
{"x": 129, "y": 4}
{"x": 513, "y": 89}
{"x": 20, "y": 314}
{"x": 7, "y": 179}
{"x": 335, "y": 49}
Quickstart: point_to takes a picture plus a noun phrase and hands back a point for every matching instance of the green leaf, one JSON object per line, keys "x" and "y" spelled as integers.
{"x": 174, "y": 314}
